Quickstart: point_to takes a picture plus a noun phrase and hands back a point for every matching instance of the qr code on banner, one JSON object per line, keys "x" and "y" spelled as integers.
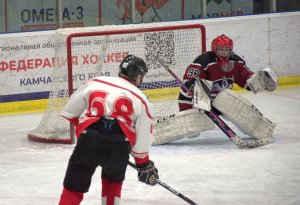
{"x": 159, "y": 44}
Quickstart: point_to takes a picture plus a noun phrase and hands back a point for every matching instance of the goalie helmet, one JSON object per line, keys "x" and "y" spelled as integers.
{"x": 222, "y": 46}
{"x": 131, "y": 67}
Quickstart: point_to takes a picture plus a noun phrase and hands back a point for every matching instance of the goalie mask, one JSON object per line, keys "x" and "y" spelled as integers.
{"x": 222, "y": 46}
{"x": 134, "y": 68}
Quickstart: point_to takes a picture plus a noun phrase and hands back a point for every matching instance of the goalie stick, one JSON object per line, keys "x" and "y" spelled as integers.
{"x": 168, "y": 188}
{"x": 239, "y": 142}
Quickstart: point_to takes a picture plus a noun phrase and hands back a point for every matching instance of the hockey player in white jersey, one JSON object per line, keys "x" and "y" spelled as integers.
{"x": 113, "y": 118}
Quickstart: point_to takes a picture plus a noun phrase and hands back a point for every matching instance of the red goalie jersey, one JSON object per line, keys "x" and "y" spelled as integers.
{"x": 223, "y": 75}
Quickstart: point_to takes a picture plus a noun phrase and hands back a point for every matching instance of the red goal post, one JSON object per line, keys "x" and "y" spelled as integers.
{"x": 82, "y": 54}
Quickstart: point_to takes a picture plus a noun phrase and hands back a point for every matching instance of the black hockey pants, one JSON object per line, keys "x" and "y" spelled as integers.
{"x": 103, "y": 144}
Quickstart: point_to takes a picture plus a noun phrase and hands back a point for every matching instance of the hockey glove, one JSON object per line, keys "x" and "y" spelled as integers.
{"x": 147, "y": 173}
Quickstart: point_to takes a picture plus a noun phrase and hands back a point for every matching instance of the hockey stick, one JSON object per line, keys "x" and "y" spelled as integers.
{"x": 104, "y": 46}
{"x": 241, "y": 143}
{"x": 168, "y": 188}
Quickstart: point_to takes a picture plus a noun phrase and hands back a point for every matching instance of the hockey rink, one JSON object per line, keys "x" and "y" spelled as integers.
{"x": 208, "y": 169}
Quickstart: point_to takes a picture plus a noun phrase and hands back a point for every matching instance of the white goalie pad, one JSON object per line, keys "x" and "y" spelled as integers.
{"x": 243, "y": 114}
{"x": 265, "y": 79}
{"x": 184, "y": 124}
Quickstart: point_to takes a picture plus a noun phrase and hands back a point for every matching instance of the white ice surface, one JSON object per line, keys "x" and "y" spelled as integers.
{"x": 208, "y": 169}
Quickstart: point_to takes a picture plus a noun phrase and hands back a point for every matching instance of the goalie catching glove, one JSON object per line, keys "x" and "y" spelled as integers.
{"x": 265, "y": 79}
{"x": 147, "y": 173}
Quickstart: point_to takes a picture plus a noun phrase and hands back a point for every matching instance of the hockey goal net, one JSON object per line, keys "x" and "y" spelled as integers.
{"x": 84, "y": 53}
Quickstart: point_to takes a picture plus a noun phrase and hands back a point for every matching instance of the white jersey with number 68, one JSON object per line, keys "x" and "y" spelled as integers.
{"x": 117, "y": 98}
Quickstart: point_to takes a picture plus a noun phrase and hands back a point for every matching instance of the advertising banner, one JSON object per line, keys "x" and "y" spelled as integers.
{"x": 221, "y": 8}
{"x": 2, "y": 16}
{"x": 33, "y": 15}
{"x": 120, "y": 11}
{"x": 192, "y": 9}
{"x": 25, "y": 65}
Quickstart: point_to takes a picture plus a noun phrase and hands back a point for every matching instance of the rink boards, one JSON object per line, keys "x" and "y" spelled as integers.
{"x": 39, "y": 105}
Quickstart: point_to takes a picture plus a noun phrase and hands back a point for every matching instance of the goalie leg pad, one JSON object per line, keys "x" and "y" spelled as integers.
{"x": 184, "y": 124}
{"x": 243, "y": 114}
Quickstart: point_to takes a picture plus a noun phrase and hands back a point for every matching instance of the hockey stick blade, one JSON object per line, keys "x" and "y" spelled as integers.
{"x": 189, "y": 201}
{"x": 239, "y": 142}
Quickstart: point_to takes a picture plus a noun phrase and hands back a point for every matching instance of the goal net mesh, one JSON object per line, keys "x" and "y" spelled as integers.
{"x": 96, "y": 51}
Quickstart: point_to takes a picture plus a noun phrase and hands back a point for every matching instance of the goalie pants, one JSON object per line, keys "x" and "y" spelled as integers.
{"x": 108, "y": 149}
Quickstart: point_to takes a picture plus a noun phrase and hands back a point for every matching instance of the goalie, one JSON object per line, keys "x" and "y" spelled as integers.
{"x": 222, "y": 68}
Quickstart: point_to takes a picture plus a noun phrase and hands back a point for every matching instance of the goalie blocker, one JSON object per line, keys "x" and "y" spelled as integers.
{"x": 243, "y": 114}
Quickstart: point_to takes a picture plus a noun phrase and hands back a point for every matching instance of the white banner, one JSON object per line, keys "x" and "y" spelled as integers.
{"x": 25, "y": 62}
